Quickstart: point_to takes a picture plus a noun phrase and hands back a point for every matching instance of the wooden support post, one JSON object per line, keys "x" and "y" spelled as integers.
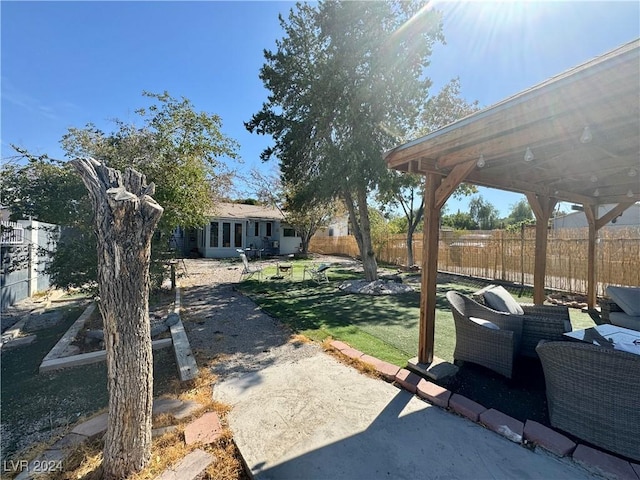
{"x": 595, "y": 224}
{"x": 429, "y": 270}
{"x": 591, "y": 211}
{"x": 542, "y": 208}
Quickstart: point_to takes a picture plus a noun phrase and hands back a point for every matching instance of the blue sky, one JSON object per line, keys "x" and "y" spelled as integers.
{"x": 64, "y": 64}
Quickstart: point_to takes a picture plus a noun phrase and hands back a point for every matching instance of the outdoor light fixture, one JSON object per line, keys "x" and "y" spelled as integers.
{"x": 632, "y": 172}
{"x": 481, "y": 163}
{"x": 528, "y": 155}
{"x": 586, "y": 136}
{"x": 596, "y": 193}
{"x": 594, "y": 179}
{"x": 630, "y": 194}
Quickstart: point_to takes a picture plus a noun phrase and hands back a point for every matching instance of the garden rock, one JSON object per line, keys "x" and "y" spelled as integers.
{"x": 172, "y": 319}
{"x": 377, "y": 287}
{"x": 392, "y": 278}
{"x": 71, "y": 350}
{"x": 95, "y": 335}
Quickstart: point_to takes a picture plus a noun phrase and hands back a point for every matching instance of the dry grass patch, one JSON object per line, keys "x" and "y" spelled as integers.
{"x": 362, "y": 367}
{"x": 85, "y": 462}
{"x": 298, "y": 339}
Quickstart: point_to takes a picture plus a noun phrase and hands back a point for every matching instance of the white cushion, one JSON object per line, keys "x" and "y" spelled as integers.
{"x": 621, "y": 319}
{"x": 484, "y": 323}
{"x": 627, "y": 298}
{"x": 499, "y": 299}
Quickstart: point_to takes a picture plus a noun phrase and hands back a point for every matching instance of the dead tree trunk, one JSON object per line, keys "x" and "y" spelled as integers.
{"x": 125, "y": 218}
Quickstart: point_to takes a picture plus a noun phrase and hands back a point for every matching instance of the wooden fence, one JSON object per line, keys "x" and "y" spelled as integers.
{"x": 509, "y": 256}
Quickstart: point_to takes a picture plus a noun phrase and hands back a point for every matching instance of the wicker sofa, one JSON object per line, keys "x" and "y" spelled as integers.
{"x": 593, "y": 393}
{"x": 484, "y": 336}
{"x": 540, "y": 322}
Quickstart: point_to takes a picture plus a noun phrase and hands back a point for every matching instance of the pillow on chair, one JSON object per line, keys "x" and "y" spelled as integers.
{"x": 484, "y": 323}
{"x": 627, "y": 298}
{"x": 499, "y": 299}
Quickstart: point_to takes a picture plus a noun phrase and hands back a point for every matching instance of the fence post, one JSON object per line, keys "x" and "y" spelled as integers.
{"x": 502, "y": 255}
{"x": 31, "y": 237}
{"x": 522, "y": 255}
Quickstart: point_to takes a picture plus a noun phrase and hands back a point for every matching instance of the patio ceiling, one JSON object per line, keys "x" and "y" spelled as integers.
{"x": 582, "y": 128}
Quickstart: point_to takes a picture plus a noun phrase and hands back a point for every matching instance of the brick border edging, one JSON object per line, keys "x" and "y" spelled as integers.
{"x": 94, "y": 428}
{"x": 525, "y": 434}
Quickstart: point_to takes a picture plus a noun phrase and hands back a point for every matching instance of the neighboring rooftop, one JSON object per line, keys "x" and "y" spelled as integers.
{"x": 244, "y": 211}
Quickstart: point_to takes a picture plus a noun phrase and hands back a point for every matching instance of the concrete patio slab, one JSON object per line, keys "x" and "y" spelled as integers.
{"x": 315, "y": 418}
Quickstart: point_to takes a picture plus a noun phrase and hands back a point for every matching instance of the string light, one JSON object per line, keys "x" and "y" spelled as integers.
{"x": 528, "y": 155}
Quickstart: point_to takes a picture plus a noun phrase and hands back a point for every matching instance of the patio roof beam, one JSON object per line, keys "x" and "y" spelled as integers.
{"x": 611, "y": 214}
{"x": 451, "y": 182}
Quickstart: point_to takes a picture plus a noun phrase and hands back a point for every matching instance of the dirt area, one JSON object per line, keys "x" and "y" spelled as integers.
{"x": 88, "y": 340}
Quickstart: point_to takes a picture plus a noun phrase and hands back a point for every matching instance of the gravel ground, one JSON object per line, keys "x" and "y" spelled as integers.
{"x": 227, "y": 327}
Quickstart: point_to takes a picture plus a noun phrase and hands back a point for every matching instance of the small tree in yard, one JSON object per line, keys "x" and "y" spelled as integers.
{"x": 306, "y": 219}
{"x": 180, "y": 148}
{"x": 125, "y": 219}
{"x": 483, "y": 213}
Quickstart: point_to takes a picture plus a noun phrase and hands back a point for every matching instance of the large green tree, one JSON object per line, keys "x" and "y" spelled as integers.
{"x": 180, "y": 149}
{"x": 405, "y": 191}
{"x": 346, "y": 81}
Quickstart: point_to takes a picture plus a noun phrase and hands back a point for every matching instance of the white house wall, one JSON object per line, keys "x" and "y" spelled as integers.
{"x": 289, "y": 245}
{"x": 275, "y": 243}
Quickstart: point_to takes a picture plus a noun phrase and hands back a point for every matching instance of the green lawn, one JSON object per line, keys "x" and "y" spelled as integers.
{"x": 387, "y": 327}
{"x": 382, "y": 326}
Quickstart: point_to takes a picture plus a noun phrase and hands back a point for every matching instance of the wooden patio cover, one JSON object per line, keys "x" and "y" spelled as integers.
{"x": 573, "y": 138}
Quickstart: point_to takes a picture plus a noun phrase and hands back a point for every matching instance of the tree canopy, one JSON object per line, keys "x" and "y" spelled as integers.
{"x": 483, "y": 213}
{"x": 181, "y": 150}
{"x": 346, "y": 83}
{"x": 520, "y": 212}
{"x": 405, "y": 190}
